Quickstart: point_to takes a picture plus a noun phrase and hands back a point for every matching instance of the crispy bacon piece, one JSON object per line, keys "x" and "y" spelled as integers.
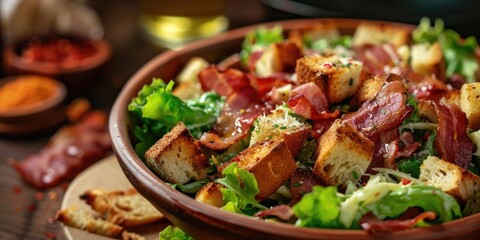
{"x": 72, "y": 149}
{"x": 411, "y": 145}
{"x": 283, "y": 212}
{"x": 385, "y": 112}
{"x": 452, "y": 141}
{"x": 428, "y": 89}
{"x": 238, "y": 115}
{"x": 222, "y": 82}
{"x": 371, "y": 223}
{"x": 379, "y": 59}
{"x": 301, "y": 182}
{"x": 309, "y": 101}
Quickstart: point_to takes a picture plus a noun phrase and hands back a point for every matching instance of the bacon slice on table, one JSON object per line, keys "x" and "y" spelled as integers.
{"x": 371, "y": 223}
{"x": 72, "y": 149}
{"x": 385, "y": 112}
{"x": 452, "y": 141}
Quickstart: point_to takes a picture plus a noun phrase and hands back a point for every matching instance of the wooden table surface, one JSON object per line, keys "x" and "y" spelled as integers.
{"x": 27, "y": 213}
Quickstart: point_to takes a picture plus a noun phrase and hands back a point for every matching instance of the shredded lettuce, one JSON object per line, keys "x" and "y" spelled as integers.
{"x": 241, "y": 189}
{"x": 459, "y": 52}
{"x": 155, "y": 111}
{"x": 319, "y": 209}
{"x": 259, "y": 39}
{"x": 173, "y": 233}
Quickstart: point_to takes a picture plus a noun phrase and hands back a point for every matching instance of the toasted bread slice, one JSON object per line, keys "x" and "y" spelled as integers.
{"x": 343, "y": 155}
{"x": 177, "y": 157}
{"x": 211, "y": 194}
{"x": 126, "y": 208}
{"x": 278, "y": 123}
{"x": 379, "y": 33}
{"x": 449, "y": 177}
{"x": 270, "y": 161}
{"x": 85, "y": 220}
{"x": 338, "y": 77}
{"x": 470, "y": 103}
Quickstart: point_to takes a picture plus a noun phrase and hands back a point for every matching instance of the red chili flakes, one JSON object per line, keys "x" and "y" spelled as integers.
{"x": 39, "y": 196}
{"x": 50, "y": 235}
{"x": 406, "y": 181}
{"x": 17, "y": 190}
{"x": 53, "y": 196}
{"x": 32, "y": 207}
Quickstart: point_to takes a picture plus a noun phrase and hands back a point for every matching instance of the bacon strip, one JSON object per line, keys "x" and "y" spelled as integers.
{"x": 385, "y": 112}
{"x": 222, "y": 82}
{"x": 71, "y": 150}
{"x": 309, "y": 101}
{"x": 371, "y": 223}
{"x": 378, "y": 59}
{"x": 283, "y": 212}
{"x": 301, "y": 182}
{"x": 452, "y": 141}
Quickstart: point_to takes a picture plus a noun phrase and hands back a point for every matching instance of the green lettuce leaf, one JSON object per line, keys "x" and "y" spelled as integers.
{"x": 259, "y": 39}
{"x": 155, "y": 111}
{"x": 426, "y": 197}
{"x": 319, "y": 208}
{"x": 241, "y": 189}
{"x": 459, "y": 52}
{"x": 173, "y": 233}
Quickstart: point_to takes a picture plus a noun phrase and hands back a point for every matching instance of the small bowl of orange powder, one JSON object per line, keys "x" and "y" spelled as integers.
{"x": 30, "y": 103}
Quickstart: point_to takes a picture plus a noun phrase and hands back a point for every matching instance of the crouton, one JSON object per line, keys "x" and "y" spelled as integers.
{"x": 85, "y": 220}
{"x": 427, "y": 110}
{"x": 126, "y": 208}
{"x": 452, "y": 97}
{"x": 280, "y": 124}
{"x": 337, "y": 76}
{"x": 211, "y": 194}
{"x": 343, "y": 155}
{"x": 369, "y": 88}
{"x": 270, "y": 161}
{"x": 450, "y": 178}
{"x": 188, "y": 85}
{"x": 176, "y": 157}
{"x": 427, "y": 58}
{"x": 380, "y": 33}
{"x": 278, "y": 57}
{"x": 470, "y": 103}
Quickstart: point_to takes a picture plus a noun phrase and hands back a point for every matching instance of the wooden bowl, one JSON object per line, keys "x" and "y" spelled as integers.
{"x": 78, "y": 79}
{"x": 202, "y": 221}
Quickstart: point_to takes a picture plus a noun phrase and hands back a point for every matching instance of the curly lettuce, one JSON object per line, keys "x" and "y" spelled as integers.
{"x": 459, "y": 52}
{"x": 155, "y": 111}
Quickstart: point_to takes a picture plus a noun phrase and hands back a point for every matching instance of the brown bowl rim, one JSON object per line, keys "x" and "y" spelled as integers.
{"x": 138, "y": 173}
{"x": 103, "y": 53}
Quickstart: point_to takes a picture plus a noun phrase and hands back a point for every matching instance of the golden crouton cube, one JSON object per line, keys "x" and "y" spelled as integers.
{"x": 278, "y": 57}
{"x": 177, "y": 158}
{"x": 449, "y": 177}
{"x": 370, "y": 88}
{"x": 338, "y": 77}
{"x": 470, "y": 103}
{"x": 380, "y": 33}
{"x": 343, "y": 155}
{"x": 427, "y": 58}
{"x": 211, "y": 195}
{"x": 270, "y": 161}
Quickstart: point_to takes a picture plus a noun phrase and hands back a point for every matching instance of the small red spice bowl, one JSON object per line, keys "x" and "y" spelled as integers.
{"x": 203, "y": 221}
{"x": 76, "y": 62}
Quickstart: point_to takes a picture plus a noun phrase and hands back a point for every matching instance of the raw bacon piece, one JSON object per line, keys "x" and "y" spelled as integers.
{"x": 452, "y": 141}
{"x": 72, "y": 149}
